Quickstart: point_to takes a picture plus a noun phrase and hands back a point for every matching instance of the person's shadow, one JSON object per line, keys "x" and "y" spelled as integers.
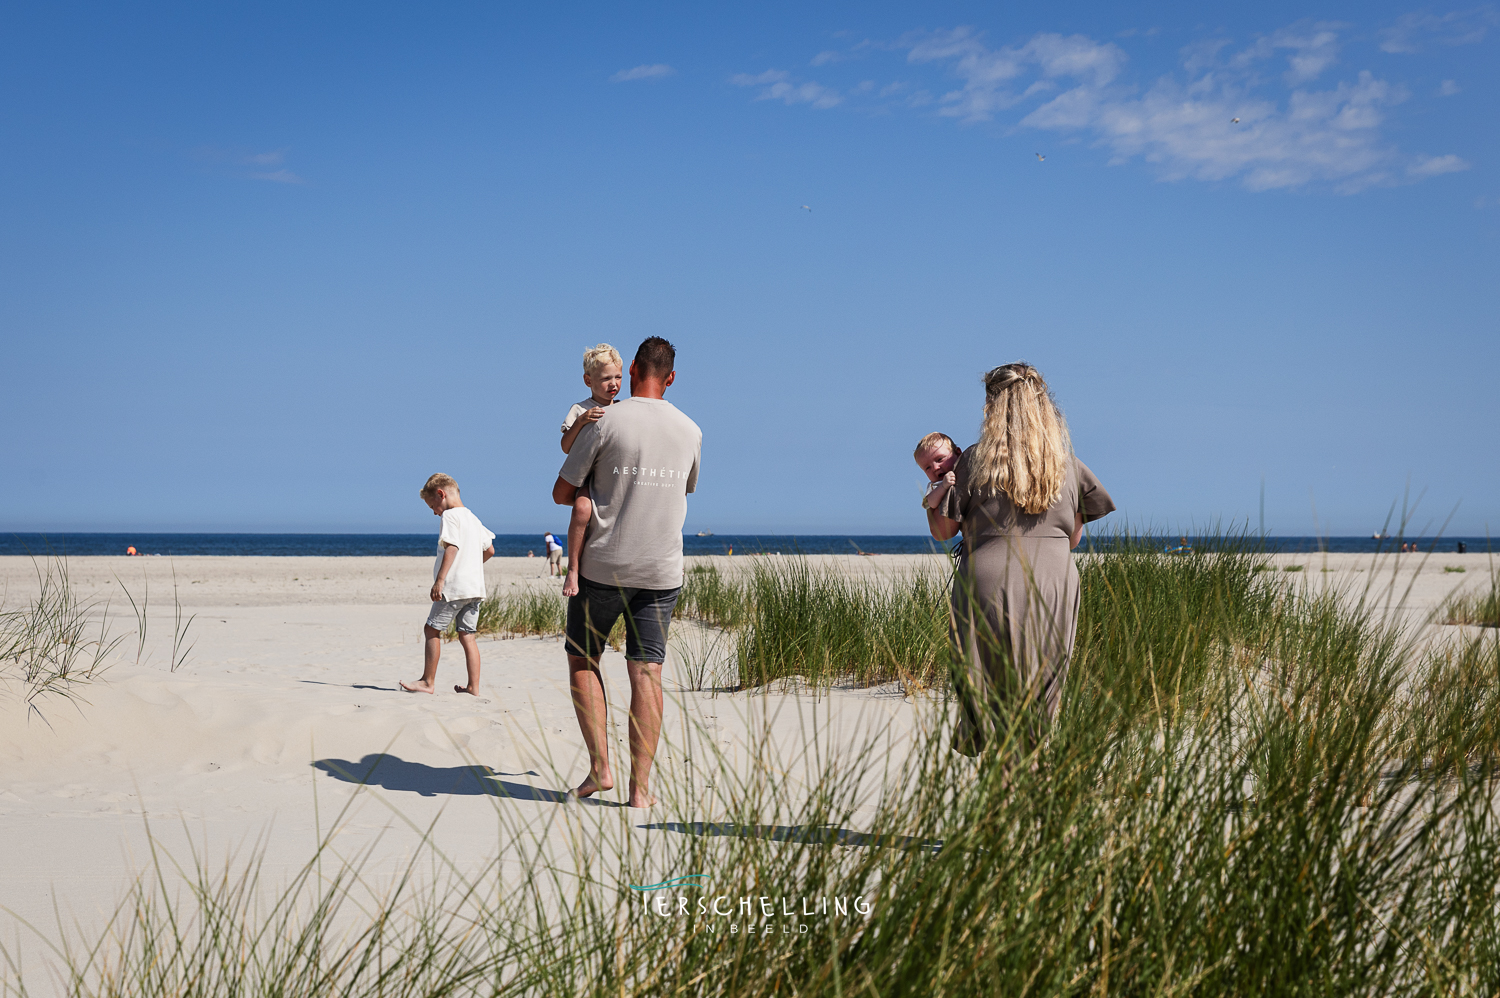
{"x": 396, "y": 774}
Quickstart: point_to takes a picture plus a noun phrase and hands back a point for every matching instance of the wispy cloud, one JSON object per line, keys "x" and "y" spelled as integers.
{"x": 259, "y": 162}
{"x": 278, "y": 177}
{"x": 1432, "y": 166}
{"x": 1274, "y": 112}
{"x": 1449, "y": 88}
{"x": 653, "y": 71}
{"x": 776, "y": 84}
{"x": 1414, "y": 32}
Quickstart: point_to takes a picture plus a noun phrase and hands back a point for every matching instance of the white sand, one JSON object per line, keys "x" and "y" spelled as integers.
{"x": 292, "y": 676}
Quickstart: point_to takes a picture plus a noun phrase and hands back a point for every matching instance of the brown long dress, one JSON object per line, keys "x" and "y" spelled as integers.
{"x": 1015, "y": 602}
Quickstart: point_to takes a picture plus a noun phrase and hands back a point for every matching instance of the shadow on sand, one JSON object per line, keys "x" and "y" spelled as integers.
{"x": 397, "y": 775}
{"x": 824, "y": 834}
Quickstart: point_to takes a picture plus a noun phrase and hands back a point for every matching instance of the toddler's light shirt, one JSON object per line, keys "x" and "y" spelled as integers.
{"x": 462, "y": 529}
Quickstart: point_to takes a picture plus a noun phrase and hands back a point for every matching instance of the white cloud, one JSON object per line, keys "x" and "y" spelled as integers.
{"x": 1411, "y": 32}
{"x": 1184, "y": 125}
{"x": 653, "y": 71}
{"x": 1432, "y": 166}
{"x": 278, "y": 177}
{"x": 776, "y": 85}
{"x": 987, "y": 73}
{"x": 259, "y": 161}
{"x": 1449, "y": 88}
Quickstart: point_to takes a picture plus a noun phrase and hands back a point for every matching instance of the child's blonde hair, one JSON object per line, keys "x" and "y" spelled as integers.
{"x": 596, "y": 357}
{"x": 438, "y": 481}
{"x": 933, "y": 440}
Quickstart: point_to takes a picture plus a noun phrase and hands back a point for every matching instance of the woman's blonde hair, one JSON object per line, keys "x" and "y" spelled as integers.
{"x": 1023, "y": 447}
{"x": 596, "y": 357}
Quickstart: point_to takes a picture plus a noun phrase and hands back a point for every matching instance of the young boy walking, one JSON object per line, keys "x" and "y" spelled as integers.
{"x": 464, "y": 545}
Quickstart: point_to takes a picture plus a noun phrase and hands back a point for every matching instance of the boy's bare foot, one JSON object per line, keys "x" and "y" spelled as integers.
{"x": 570, "y": 584}
{"x": 464, "y": 689}
{"x": 417, "y": 687}
{"x": 639, "y": 798}
{"x": 593, "y": 784}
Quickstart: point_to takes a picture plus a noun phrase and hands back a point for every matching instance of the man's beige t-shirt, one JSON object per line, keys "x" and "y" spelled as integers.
{"x": 643, "y": 458}
{"x": 579, "y": 408}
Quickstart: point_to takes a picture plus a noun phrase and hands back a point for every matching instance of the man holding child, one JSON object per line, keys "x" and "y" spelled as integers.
{"x": 639, "y": 460}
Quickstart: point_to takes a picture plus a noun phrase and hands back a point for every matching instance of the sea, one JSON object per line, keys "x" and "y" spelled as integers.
{"x": 519, "y": 545}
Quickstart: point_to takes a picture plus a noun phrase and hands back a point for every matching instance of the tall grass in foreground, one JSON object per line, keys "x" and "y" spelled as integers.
{"x": 1248, "y": 792}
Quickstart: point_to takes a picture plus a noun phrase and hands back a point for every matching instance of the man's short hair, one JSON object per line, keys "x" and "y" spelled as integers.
{"x": 933, "y": 440}
{"x": 438, "y": 481}
{"x": 596, "y": 357}
{"x": 655, "y": 358}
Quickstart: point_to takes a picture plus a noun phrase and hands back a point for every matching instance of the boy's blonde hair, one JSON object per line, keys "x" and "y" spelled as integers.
{"x": 1024, "y": 447}
{"x": 596, "y": 357}
{"x": 934, "y": 440}
{"x": 438, "y": 481}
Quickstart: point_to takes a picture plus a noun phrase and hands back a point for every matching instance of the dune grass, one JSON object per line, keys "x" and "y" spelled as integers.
{"x": 51, "y": 645}
{"x": 1249, "y": 790}
{"x": 1481, "y": 608}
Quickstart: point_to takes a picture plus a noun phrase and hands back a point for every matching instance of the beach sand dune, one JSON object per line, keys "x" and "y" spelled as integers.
{"x": 287, "y": 703}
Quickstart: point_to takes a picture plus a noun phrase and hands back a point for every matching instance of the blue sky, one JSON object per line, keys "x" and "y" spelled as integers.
{"x": 266, "y": 267}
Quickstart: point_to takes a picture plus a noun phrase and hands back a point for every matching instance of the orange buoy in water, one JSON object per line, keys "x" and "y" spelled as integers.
{"x": 130, "y": 550}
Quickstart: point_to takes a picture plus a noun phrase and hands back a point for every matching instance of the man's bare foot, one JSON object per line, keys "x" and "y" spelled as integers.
{"x": 570, "y": 584}
{"x": 593, "y": 784}
{"x": 417, "y": 687}
{"x": 464, "y": 689}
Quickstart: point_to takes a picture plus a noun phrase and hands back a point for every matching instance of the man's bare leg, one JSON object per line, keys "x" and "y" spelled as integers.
{"x": 470, "y": 646}
{"x": 583, "y": 510}
{"x": 590, "y": 706}
{"x": 645, "y": 728}
{"x": 432, "y": 648}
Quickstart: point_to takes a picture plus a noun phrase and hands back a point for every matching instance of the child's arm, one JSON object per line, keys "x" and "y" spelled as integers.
{"x": 489, "y": 553}
{"x": 584, "y": 418}
{"x": 450, "y": 555}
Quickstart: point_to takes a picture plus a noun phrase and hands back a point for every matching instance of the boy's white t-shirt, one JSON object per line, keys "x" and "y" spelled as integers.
{"x": 462, "y": 529}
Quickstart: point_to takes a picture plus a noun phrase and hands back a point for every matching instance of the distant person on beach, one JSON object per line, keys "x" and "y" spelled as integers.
{"x": 642, "y": 462}
{"x": 554, "y": 553}
{"x": 464, "y": 545}
{"x": 1021, "y": 498}
{"x": 602, "y": 372}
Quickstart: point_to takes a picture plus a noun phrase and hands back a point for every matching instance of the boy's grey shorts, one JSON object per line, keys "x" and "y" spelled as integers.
{"x": 466, "y": 610}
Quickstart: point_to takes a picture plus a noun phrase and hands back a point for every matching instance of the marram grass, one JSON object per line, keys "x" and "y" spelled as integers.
{"x": 1248, "y": 792}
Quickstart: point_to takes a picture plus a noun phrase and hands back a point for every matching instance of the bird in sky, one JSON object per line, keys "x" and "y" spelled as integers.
{"x": 1040, "y": 158}
{"x": 1234, "y": 121}
{"x": 805, "y": 206}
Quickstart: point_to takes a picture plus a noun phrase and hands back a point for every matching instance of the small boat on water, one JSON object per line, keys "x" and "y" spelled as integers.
{"x": 705, "y": 533}
{"x": 1380, "y": 535}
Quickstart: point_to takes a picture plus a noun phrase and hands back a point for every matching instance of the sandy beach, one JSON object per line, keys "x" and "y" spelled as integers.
{"x": 288, "y": 695}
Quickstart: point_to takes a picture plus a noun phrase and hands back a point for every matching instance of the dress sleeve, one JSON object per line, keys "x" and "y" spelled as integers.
{"x": 1093, "y": 501}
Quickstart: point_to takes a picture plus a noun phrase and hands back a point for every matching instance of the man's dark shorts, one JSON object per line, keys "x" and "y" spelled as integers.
{"x": 648, "y": 614}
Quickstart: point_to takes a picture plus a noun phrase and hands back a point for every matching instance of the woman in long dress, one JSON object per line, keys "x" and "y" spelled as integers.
{"x": 1021, "y": 498}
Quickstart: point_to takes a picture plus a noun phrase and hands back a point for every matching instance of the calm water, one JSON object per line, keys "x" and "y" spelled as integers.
{"x": 516, "y": 545}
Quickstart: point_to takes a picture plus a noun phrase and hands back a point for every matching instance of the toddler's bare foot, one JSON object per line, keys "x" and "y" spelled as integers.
{"x": 570, "y": 584}
{"x": 417, "y": 687}
{"x": 593, "y": 784}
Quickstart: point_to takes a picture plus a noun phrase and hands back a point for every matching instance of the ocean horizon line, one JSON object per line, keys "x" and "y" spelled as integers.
{"x": 360, "y": 544}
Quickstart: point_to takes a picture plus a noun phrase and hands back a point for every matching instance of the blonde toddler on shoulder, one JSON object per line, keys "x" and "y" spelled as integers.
{"x": 603, "y": 372}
